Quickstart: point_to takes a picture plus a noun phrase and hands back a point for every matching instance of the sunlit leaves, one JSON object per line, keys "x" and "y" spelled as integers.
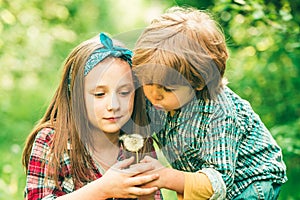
{"x": 36, "y": 36}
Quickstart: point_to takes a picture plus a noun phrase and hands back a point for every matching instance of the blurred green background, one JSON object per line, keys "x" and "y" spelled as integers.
{"x": 37, "y": 35}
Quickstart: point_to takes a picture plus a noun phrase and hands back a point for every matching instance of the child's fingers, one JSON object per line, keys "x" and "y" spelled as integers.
{"x": 141, "y": 165}
{"x": 141, "y": 180}
{"x": 123, "y": 164}
{"x": 146, "y": 159}
{"x": 139, "y": 168}
{"x": 138, "y": 191}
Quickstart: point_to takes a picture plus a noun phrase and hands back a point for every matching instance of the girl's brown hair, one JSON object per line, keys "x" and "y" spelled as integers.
{"x": 67, "y": 115}
{"x": 187, "y": 40}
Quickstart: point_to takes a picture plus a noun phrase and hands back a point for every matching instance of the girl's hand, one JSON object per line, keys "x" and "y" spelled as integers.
{"x": 122, "y": 182}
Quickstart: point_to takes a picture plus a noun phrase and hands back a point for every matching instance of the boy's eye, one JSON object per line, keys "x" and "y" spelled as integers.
{"x": 169, "y": 89}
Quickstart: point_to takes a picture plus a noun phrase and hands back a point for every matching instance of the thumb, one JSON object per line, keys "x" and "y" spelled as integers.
{"x": 124, "y": 163}
{"x": 146, "y": 159}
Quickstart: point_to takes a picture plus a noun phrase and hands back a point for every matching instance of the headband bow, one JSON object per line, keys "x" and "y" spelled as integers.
{"x": 100, "y": 54}
{"x": 107, "y": 50}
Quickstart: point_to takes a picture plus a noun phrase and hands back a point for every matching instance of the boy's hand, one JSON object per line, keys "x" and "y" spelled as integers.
{"x": 169, "y": 178}
{"x": 158, "y": 168}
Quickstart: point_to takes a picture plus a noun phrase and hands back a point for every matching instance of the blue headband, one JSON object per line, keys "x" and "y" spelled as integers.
{"x": 107, "y": 50}
{"x": 100, "y": 54}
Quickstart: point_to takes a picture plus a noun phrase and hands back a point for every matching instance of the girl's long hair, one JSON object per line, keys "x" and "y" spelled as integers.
{"x": 67, "y": 115}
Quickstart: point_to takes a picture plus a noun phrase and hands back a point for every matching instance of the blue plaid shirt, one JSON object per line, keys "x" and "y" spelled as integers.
{"x": 224, "y": 139}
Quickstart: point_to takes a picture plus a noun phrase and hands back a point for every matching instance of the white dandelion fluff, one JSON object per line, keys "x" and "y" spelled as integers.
{"x": 132, "y": 142}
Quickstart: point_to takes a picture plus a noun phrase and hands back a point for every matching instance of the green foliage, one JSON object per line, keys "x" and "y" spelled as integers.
{"x": 37, "y": 35}
{"x": 264, "y": 43}
{"x": 288, "y": 136}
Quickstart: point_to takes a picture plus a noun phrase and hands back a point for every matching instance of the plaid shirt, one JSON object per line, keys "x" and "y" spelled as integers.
{"x": 37, "y": 186}
{"x": 225, "y": 139}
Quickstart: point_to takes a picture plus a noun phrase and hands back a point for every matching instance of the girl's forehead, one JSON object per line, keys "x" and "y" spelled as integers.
{"x": 114, "y": 73}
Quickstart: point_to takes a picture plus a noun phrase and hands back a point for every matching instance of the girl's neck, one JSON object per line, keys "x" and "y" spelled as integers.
{"x": 106, "y": 148}
{"x": 106, "y": 140}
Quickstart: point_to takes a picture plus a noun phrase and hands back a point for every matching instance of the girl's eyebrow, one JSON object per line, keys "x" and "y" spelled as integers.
{"x": 121, "y": 86}
{"x": 126, "y": 85}
{"x": 98, "y": 87}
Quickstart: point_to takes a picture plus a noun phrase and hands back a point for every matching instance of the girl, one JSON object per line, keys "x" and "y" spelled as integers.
{"x": 73, "y": 151}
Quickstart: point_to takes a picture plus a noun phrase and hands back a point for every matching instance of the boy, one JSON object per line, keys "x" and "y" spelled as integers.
{"x": 218, "y": 147}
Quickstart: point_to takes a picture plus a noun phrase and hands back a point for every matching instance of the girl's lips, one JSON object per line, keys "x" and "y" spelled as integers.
{"x": 112, "y": 119}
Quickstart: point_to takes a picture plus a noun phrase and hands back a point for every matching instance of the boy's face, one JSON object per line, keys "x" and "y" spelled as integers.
{"x": 168, "y": 98}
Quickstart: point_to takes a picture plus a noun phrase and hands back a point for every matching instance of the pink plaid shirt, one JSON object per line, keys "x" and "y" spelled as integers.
{"x": 40, "y": 187}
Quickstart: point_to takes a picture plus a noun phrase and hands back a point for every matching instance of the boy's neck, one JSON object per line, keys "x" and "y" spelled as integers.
{"x": 172, "y": 113}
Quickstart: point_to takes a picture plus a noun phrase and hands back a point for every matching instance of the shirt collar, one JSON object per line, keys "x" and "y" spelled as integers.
{"x": 187, "y": 111}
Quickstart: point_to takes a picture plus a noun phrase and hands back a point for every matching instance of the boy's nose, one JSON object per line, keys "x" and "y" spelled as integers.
{"x": 156, "y": 92}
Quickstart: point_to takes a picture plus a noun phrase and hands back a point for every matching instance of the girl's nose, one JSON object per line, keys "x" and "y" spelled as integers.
{"x": 113, "y": 103}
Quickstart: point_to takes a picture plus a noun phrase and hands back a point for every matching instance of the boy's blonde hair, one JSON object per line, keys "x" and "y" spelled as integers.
{"x": 187, "y": 41}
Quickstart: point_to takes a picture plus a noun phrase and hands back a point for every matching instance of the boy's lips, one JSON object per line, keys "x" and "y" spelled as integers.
{"x": 158, "y": 107}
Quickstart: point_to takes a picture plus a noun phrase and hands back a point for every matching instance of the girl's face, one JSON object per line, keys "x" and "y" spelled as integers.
{"x": 168, "y": 98}
{"x": 109, "y": 95}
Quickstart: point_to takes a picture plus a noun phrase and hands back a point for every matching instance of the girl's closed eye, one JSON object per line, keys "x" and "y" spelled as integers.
{"x": 125, "y": 92}
{"x": 99, "y": 94}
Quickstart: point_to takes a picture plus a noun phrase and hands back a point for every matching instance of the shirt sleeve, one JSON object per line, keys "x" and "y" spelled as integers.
{"x": 38, "y": 186}
{"x": 197, "y": 186}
